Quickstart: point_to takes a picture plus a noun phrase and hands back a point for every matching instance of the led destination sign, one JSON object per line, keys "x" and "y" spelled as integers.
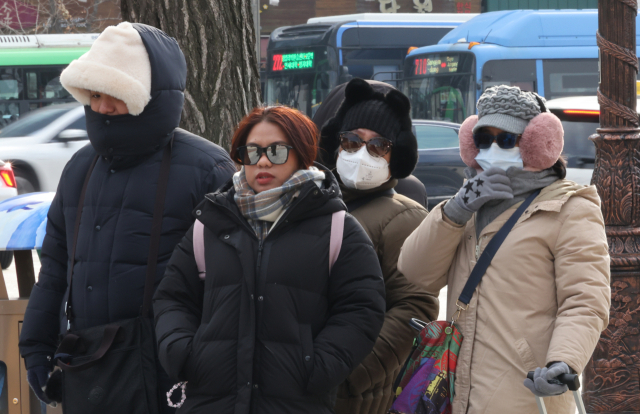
{"x": 435, "y": 65}
{"x": 292, "y": 61}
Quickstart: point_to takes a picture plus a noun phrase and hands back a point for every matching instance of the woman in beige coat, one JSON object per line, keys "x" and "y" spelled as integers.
{"x": 545, "y": 298}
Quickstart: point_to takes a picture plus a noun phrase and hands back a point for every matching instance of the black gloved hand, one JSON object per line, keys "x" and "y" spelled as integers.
{"x": 37, "y": 377}
{"x": 53, "y": 390}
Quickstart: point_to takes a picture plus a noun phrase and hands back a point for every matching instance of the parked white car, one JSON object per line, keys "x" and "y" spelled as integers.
{"x": 41, "y": 143}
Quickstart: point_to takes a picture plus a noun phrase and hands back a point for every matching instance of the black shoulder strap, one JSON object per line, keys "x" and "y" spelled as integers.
{"x": 76, "y": 230}
{"x": 357, "y": 203}
{"x": 490, "y": 251}
{"x": 156, "y": 229}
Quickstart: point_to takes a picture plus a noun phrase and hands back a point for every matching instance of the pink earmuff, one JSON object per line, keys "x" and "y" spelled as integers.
{"x": 468, "y": 150}
{"x": 540, "y": 146}
{"x": 542, "y": 141}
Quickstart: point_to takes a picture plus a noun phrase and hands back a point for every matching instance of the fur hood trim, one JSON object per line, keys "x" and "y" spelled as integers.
{"x": 117, "y": 64}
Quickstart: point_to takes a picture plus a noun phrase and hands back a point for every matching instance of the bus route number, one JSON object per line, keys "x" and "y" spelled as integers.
{"x": 291, "y": 61}
{"x": 436, "y": 65}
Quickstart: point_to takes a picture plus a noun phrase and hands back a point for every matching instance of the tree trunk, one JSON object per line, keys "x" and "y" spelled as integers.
{"x": 218, "y": 41}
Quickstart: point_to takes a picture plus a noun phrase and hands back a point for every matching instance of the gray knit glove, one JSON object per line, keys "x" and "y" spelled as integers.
{"x": 544, "y": 382}
{"x": 492, "y": 184}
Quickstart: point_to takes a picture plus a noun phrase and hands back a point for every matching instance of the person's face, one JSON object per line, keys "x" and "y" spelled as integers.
{"x": 107, "y": 105}
{"x": 264, "y": 175}
{"x": 366, "y": 135}
{"x": 495, "y": 131}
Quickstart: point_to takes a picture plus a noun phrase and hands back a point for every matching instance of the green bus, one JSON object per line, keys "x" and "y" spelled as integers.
{"x": 30, "y": 69}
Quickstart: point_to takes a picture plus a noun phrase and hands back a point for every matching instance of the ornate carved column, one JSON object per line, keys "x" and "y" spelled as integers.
{"x": 612, "y": 378}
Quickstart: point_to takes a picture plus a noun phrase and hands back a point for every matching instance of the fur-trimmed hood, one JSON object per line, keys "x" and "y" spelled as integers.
{"x": 117, "y": 64}
{"x": 128, "y": 139}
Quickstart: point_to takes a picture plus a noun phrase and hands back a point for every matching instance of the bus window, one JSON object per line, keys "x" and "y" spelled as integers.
{"x": 10, "y": 94}
{"x": 444, "y": 88}
{"x": 44, "y": 83}
{"x": 520, "y": 73}
{"x": 379, "y": 64}
{"x": 301, "y": 91}
{"x": 570, "y": 77}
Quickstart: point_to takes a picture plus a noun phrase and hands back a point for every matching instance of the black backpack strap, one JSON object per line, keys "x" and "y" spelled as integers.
{"x": 489, "y": 252}
{"x": 355, "y": 204}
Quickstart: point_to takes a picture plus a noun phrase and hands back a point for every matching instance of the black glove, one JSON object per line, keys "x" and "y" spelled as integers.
{"x": 37, "y": 377}
{"x": 53, "y": 390}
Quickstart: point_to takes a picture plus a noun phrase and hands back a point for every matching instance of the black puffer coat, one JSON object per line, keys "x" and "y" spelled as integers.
{"x": 269, "y": 330}
{"x": 113, "y": 242}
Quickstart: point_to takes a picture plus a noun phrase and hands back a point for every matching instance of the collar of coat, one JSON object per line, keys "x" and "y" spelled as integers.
{"x": 551, "y": 198}
{"x": 350, "y": 194}
{"x": 311, "y": 202}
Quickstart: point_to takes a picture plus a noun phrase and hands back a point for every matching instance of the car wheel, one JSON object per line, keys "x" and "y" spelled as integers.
{"x": 5, "y": 259}
{"x": 24, "y": 185}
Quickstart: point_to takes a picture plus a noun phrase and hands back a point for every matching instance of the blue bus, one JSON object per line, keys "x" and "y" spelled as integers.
{"x": 305, "y": 62}
{"x": 551, "y": 52}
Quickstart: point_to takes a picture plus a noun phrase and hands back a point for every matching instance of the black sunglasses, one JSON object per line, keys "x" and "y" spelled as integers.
{"x": 505, "y": 140}
{"x": 251, "y": 154}
{"x": 377, "y": 147}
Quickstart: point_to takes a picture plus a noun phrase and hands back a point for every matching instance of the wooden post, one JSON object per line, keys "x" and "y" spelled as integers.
{"x": 611, "y": 379}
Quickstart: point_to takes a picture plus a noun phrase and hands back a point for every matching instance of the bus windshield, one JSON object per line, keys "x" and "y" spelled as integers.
{"x": 441, "y": 86}
{"x": 303, "y": 91}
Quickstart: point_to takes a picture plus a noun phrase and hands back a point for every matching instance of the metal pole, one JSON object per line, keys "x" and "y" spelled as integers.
{"x": 611, "y": 379}
{"x": 255, "y": 6}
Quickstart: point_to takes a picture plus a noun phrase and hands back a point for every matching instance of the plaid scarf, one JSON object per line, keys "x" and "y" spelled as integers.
{"x": 254, "y": 207}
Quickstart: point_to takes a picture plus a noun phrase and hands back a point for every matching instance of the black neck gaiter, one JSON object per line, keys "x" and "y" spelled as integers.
{"x": 127, "y": 140}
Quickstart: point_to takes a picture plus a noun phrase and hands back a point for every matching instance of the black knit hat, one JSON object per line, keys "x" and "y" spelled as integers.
{"x": 387, "y": 114}
{"x": 374, "y": 115}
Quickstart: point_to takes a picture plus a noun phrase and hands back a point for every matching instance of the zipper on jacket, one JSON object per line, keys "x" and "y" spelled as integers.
{"x": 259, "y": 261}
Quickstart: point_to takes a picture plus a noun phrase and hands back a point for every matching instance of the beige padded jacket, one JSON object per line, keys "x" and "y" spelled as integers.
{"x": 544, "y": 298}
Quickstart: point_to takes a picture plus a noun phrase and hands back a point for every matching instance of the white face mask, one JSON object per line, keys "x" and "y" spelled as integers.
{"x": 362, "y": 171}
{"x": 498, "y": 157}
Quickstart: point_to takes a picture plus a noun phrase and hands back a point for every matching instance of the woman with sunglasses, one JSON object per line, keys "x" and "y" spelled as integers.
{"x": 370, "y": 144}
{"x": 272, "y": 326}
{"x": 544, "y": 299}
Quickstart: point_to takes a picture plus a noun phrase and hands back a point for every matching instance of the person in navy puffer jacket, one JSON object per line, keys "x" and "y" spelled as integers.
{"x": 132, "y": 84}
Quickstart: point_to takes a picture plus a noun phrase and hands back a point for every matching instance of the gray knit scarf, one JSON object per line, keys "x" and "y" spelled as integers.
{"x": 523, "y": 183}
{"x": 256, "y": 207}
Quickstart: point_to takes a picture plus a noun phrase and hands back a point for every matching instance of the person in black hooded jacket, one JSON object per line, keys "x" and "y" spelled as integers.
{"x": 132, "y": 84}
{"x": 409, "y": 186}
{"x": 270, "y": 327}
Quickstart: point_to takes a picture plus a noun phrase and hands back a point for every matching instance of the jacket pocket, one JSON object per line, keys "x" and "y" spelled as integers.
{"x": 189, "y": 370}
{"x": 524, "y": 350}
{"x": 306, "y": 341}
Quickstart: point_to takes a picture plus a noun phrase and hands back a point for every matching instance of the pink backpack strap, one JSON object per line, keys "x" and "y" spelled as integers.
{"x": 337, "y": 230}
{"x": 198, "y": 248}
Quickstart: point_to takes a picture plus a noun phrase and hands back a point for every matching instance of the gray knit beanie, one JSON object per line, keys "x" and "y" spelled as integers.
{"x": 507, "y": 108}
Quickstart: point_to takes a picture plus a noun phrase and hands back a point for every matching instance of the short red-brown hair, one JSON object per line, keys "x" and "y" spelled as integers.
{"x": 301, "y": 132}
